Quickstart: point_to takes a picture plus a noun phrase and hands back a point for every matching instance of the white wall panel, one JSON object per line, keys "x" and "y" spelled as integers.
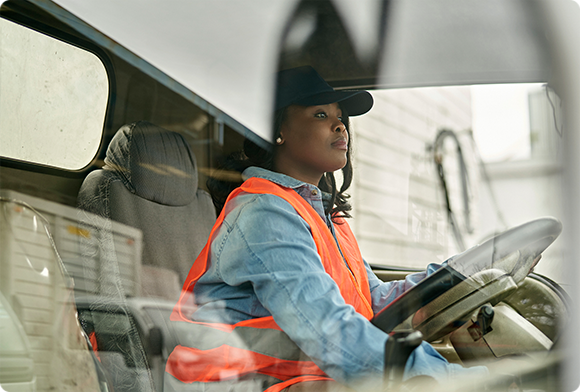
{"x": 398, "y": 206}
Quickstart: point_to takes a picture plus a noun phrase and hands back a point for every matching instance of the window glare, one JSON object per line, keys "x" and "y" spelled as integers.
{"x": 501, "y": 120}
{"x": 53, "y": 100}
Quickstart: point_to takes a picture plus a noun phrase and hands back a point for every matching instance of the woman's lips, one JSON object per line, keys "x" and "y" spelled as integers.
{"x": 340, "y": 144}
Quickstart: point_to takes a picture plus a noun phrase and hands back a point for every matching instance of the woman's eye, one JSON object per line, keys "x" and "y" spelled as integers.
{"x": 340, "y": 118}
{"x": 320, "y": 115}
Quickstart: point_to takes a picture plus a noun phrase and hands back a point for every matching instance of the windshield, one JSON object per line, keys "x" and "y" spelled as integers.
{"x": 427, "y": 183}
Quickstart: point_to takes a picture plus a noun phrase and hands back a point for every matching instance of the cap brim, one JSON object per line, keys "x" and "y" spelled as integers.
{"x": 354, "y": 102}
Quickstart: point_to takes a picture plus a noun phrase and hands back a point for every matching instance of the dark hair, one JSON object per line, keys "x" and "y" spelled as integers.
{"x": 228, "y": 175}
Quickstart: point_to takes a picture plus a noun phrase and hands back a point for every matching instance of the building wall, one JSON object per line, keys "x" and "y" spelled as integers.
{"x": 399, "y": 213}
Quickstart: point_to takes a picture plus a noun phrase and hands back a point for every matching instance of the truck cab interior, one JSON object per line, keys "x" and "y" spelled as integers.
{"x": 114, "y": 116}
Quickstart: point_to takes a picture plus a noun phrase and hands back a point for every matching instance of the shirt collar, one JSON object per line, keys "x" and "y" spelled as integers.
{"x": 309, "y": 192}
{"x": 278, "y": 178}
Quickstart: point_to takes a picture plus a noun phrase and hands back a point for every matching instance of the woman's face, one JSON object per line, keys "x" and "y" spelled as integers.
{"x": 314, "y": 141}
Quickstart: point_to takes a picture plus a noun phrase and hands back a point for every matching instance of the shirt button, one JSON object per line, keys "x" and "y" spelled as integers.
{"x": 314, "y": 192}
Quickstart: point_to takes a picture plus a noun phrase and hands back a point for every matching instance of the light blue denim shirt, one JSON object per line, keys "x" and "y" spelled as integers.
{"x": 264, "y": 262}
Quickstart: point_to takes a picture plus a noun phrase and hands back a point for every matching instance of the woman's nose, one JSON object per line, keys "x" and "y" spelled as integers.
{"x": 340, "y": 127}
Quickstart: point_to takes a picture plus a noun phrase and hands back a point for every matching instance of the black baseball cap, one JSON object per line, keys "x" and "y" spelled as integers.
{"x": 304, "y": 86}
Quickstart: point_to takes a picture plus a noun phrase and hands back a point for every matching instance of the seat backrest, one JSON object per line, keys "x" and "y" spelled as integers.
{"x": 150, "y": 181}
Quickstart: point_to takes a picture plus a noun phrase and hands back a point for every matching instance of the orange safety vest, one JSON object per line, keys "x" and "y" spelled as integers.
{"x": 201, "y": 361}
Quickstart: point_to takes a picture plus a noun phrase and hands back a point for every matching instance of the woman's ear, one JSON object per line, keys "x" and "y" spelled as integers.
{"x": 280, "y": 138}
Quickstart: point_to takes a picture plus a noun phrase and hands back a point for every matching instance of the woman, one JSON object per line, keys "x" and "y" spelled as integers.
{"x": 283, "y": 295}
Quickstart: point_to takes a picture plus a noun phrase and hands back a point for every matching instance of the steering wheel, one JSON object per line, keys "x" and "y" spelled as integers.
{"x": 486, "y": 273}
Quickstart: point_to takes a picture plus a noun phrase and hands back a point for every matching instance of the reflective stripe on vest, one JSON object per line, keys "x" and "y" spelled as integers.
{"x": 231, "y": 351}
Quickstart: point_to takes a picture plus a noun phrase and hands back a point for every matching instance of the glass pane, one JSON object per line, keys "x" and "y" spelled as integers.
{"x": 53, "y": 101}
{"x": 43, "y": 347}
{"x": 516, "y": 122}
{"x": 399, "y": 204}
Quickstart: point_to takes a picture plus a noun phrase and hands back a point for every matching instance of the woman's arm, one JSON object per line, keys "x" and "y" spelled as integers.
{"x": 383, "y": 293}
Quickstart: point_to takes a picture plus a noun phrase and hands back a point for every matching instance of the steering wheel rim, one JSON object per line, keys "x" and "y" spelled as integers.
{"x": 530, "y": 239}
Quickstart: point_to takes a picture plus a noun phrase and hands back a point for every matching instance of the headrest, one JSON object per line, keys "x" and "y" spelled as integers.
{"x": 153, "y": 163}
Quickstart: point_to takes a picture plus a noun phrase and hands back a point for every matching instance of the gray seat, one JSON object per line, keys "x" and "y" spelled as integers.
{"x": 149, "y": 181}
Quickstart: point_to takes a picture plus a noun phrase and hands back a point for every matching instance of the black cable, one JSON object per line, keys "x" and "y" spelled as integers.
{"x": 558, "y": 131}
{"x": 438, "y": 157}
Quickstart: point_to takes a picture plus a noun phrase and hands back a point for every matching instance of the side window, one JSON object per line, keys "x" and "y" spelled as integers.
{"x": 53, "y": 101}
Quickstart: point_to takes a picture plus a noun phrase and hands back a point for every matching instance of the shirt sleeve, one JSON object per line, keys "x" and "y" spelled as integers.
{"x": 383, "y": 293}
{"x": 270, "y": 246}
